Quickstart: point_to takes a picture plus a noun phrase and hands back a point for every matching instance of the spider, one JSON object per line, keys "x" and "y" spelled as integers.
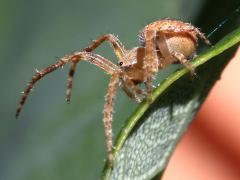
{"x": 162, "y": 43}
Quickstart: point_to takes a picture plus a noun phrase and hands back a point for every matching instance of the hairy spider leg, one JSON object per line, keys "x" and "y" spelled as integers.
{"x": 184, "y": 61}
{"x": 119, "y": 50}
{"x": 108, "y": 113}
{"x": 130, "y": 93}
{"x": 202, "y": 36}
{"x": 140, "y": 57}
{"x": 188, "y": 27}
{"x": 113, "y": 40}
{"x": 70, "y": 81}
{"x": 95, "y": 59}
{"x": 131, "y": 89}
{"x": 150, "y": 64}
{"x": 164, "y": 55}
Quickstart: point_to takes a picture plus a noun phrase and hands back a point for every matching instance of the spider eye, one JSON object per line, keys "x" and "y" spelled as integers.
{"x": 120, "y": 63}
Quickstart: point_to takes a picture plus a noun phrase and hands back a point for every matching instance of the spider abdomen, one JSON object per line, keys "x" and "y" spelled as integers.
{"x": 183, "y": 44}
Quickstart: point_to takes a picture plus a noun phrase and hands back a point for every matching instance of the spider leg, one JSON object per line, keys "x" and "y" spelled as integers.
{"x": 131, "y": 94}
{"x": 118, "y": 47}
{"x": 108, "y": 113}
{"x": 38, "y": 75}
{"x": 150, "y": 62}
{"x": 185, "y": 27}
{"x": 166, "y": 57}
{"x": 70, "y": 81}
{"x": 92, "y": 59}
{"x": 198, "y": 33}
{"x": 95, "y": 59}
{"x": 132, "y": 90}
{"x": 72, "y": 71}
{"x": 202, "y": 36}
{"x": 183, "y": 60}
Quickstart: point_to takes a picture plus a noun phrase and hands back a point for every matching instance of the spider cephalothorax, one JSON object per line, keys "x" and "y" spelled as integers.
{"x": 162, "y": 43}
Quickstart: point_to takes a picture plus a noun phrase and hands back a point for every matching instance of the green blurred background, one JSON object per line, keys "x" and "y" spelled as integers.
{"x": 52, "y": 139}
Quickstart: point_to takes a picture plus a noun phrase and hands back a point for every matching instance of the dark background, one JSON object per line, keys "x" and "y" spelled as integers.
{"x": 53, "y": 139}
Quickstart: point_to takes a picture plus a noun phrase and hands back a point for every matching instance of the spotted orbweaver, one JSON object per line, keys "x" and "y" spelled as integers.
{"x": 163, "y": 42}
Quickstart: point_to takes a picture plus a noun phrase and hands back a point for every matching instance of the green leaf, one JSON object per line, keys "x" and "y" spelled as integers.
{"x": 150, "y": 135}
